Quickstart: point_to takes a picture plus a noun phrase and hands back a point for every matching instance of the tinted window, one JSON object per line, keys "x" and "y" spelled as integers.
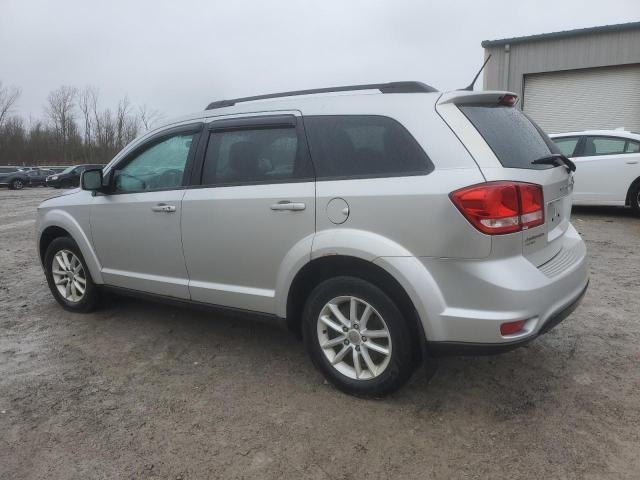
{"x": 632, "y": 147}
{"x": 259, "y": 155}
{"x": 513, "y": 137}
{"x": 360, "y": 145}
{"x": 603, "y": 146}
{"x": 160, "y": 166}
{"x": 566, "y": 145}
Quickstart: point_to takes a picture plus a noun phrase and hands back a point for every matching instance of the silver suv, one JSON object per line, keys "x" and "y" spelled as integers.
{"x": 385, "y": 224}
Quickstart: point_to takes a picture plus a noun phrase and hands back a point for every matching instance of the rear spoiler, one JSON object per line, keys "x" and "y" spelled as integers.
{"x": 460, "y": 97}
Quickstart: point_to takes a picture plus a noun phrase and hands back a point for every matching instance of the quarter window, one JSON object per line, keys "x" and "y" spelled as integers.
{"x": 254, "y": 155}
{"x": 159, "y": 167}
{"x": 363, "y": 145}
{"x": 632, "y": 147}
{"x": 603, "y": 146}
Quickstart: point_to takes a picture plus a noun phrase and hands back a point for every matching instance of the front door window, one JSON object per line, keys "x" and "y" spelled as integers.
{"x": 159, "y": 167}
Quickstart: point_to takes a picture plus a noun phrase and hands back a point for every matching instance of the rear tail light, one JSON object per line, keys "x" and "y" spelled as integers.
{"x": 510, "y": 328}
{"x": 501, "y": 207}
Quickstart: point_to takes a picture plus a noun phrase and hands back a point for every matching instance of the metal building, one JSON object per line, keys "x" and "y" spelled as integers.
{"x": 572, "y": 80}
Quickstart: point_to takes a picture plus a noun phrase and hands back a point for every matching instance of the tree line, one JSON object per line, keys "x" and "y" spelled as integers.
{"x": 75, "y": 128}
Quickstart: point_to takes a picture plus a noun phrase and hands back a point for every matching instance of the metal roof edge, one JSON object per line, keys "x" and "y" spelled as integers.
{"x": 619, "y": 27}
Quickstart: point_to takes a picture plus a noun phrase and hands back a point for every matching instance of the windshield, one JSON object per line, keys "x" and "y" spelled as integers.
{"x": 514, "y": 138}
{"x": 68, "y": 169}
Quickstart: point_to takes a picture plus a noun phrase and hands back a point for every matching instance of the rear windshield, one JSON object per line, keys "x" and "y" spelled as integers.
{"x": 514, "y": 138}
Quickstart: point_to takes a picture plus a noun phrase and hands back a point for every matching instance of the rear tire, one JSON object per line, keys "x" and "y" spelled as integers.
{"x": 16, "y": 184}
{"x": 336, "y": 334}
{"x": 69, "y": 278}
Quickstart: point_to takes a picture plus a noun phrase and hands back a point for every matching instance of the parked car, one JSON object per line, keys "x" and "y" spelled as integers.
{"x": 13, "y": 177}
{"x": 69, "y": 177}
{"x": 608, "y": 166}
{"x": 384, "y": 228}
{"x": 38, "y": 176}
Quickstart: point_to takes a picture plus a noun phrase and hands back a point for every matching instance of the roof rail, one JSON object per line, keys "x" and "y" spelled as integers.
{"x": 392, "y": 87}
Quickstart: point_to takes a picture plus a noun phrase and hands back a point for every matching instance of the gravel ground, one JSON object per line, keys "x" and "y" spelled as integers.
{"x": 142, "y": 390}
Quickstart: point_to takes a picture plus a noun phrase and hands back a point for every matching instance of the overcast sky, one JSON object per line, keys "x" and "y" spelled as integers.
{"x": 177, "y": 56}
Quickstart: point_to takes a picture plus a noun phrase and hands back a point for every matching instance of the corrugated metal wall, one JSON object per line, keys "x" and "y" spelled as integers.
{"x": 598, "y": 98}
{"x": 582, "y": 51}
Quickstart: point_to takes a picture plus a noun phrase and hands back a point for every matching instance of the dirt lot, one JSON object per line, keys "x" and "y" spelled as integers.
{"x": 142, "y": 390}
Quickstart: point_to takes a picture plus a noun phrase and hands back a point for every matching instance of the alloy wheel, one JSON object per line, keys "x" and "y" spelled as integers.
{"x": 69, "y": 276}
{"x": 354, "y": 338}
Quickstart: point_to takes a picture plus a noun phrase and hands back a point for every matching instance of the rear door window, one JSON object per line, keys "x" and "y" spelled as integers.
{"x": 514, "y": 138}
{"x": 360, "y": 146}
{"x": 604, "y": 146}
{"x": 567, "y": 145}
{"x": 255, "y": 155}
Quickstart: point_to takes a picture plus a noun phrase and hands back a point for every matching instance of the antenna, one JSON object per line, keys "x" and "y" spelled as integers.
{"x": 470, "y": 87}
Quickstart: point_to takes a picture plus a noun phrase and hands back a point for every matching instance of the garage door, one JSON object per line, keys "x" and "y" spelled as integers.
{"x": 598, "y": 98}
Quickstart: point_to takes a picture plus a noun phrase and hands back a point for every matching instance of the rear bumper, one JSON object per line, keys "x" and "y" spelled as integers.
{"x": 462, "y": 302}
{"x": 441, "y": 349}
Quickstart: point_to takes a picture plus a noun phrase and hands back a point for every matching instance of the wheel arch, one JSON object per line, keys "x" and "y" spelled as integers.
{"x": 58, "y": 223}
{"x": 47, "y": 236}
{"x": 320, "y": 269}
{"x": 635, "y": 184}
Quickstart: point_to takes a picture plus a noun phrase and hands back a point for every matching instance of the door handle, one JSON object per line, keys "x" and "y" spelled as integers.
{"x": 632, "y": 162}
{"x": 287, "y": 205}
{"x": 163, "y": 207}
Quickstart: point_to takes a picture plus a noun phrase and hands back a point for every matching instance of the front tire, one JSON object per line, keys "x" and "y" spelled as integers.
{"x": 69, "y": 278}
{"x": 634, "y": 200}
{"x": 357, "y": 337}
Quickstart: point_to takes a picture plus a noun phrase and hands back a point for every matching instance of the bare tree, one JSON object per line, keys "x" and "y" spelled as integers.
{"x": 60, "y": 110}
{"x": 148, "y": 117}
{"x": 86, "y": 100}
{"x": 76, "y": 129}
{"x": 122, "y": 114}
{"x": 8, "y": 97}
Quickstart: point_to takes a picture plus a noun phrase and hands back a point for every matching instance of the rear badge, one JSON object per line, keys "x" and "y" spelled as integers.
{"x": 532, "y": 240}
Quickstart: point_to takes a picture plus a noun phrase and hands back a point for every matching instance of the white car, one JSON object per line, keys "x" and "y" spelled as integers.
{"x": 608, "y": 166}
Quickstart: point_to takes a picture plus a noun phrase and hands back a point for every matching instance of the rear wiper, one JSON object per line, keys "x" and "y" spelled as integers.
{"x": 556, "y": 159}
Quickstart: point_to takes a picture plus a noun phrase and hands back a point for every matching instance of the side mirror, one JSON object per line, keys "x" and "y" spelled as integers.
{"x": 91, "y": 180}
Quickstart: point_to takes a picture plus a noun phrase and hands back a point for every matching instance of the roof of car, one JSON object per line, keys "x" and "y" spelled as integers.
{"x": 379, "y": 99}
{"x": 312, "y": 102}
{"x": 606, "y": 133}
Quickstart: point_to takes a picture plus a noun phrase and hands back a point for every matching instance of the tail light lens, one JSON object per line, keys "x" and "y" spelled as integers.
{"x": 497, "y": 208}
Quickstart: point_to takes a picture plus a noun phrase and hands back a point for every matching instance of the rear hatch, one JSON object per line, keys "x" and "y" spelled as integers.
{"x": 504, "y": 142}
